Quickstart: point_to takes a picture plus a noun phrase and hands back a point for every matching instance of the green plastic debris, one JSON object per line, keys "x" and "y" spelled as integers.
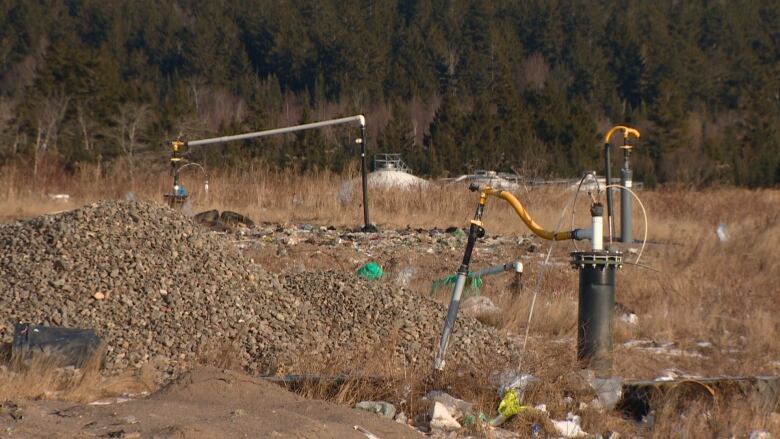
{"x": 370, "y": 271}
{"x": 471, "y": 422}
{"x": 473, "y": 285}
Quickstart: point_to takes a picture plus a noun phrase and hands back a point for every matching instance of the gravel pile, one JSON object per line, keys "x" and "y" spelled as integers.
{"x": 159, "y": 288}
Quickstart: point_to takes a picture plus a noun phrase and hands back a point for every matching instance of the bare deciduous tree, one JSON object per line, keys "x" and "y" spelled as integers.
{"x": 131, "y": 120}
{"x": 50, "y": 112}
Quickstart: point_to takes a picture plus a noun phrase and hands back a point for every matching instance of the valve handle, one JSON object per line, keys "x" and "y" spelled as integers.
{"x": 627, "y": 132}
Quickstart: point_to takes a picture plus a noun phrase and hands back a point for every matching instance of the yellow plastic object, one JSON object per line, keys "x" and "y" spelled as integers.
{"x": 523, "y": 214}
{"x": 510, "y": 404}
{"x": 627, "y": 131}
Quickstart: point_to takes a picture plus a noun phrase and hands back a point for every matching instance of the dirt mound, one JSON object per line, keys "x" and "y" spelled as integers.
{"x": 158, "y": 288}
{"x": 204, "y": 403}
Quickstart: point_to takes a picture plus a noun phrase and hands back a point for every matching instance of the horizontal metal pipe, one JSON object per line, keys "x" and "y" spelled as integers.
{"x": 515, "y": 266}
{"x": 359, "y": 119}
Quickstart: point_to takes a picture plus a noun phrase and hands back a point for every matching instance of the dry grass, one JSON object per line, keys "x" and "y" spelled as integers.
{"x": 698, "y": 290}
{"x": 42, "y": 378}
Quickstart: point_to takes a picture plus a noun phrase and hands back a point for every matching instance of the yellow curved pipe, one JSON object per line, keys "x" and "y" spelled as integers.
{"x": 523, "y": 214}
{"x": 627, "y": 131}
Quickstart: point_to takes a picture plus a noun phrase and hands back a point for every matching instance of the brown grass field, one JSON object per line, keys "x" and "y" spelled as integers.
{"x": 689, "y": 289}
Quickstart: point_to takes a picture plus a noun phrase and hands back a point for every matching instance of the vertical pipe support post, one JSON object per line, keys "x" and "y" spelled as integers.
{"x": 608, "y": 176}
{"x": 626, "y": 202}
{"x": 367, "y": 226}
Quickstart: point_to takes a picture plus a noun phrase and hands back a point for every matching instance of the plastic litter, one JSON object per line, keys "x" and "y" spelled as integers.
{"x": 371, "y": 271}
{"x": 404, "y": 277}
{"x": 509, "y": 406}
{"x": 722, "y": 232}
{"x": 760, "y": 434}
{"x": 457, "y": 407}
{"x": 472, "y": 287}
{"x": 381, "y": 408}
{"x": 62, "y": 346}
{"x": 442, "y": 419}
{"x": 570, "y": 427}
{"x": 365, "y": 432}
{"x": 515, "y": 380}
{"x": 471, "y": 421}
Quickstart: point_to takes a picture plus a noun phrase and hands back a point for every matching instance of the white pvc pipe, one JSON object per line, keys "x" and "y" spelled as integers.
{"x": 360, "y": 119}
{"x": 598, "y": 233}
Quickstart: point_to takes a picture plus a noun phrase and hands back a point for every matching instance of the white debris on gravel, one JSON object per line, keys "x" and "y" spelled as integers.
{"x": 570, "y": 427}
{"x": 661, "y": 348}
{"x": 442, "y": 418}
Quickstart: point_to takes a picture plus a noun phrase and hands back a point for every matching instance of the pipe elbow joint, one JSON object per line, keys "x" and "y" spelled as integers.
{"x": 582, "y": 234}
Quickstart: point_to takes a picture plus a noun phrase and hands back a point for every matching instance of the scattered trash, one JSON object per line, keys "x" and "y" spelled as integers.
{"x": 509, "y": 406}
{"x": 442, "y": 419}
{"x": 370, "y": 271}
{"x": 60, "y": 198}
{"x": 235, "y": 219}
{"x": 472, "y": 288}
{"x": 760, "y": 434}
{"x": 63, "y": 346}
{"x": 382, "y": 408}
{"x": 457, "y": 407}
{"x": 109, "y": 401}
{"x": 630, "y": 319}
{"x": 224, "y": 221}
{"x": 471, "y": 421}
{"x": 365, "y": 432}
{"x": 627, "y": 315}
{"x": 207, "y": 216}
{"x": 404, "y": 277}
{"x": 570, "y": 427}
{"x": 722, "y": 232}
{"x": 515, "y": 380}
{"x": 608, "y": 390}
{"x": 662, "y": 348}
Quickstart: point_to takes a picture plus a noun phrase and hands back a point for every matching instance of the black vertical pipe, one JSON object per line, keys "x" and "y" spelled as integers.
{"x": 594, "y": 320}
{"x": 608, "y": 176}
{"x": 475, "y": 231}
{"x": 367, "y": 227}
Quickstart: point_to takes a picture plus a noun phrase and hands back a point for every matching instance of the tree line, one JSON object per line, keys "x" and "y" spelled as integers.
{"x": 528, "y": 86}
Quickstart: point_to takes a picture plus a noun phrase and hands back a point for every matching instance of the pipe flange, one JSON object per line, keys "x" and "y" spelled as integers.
{"x": 596, "y": 259}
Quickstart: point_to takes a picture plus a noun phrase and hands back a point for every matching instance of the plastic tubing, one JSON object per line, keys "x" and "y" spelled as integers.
{"x": 526, "y": 217}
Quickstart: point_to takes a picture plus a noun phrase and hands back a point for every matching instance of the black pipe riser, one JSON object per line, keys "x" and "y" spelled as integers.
{"x": 595, "y": 308}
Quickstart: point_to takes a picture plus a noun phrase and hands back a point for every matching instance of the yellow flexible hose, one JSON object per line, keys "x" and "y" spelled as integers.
{"x": 523, "y": 214}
